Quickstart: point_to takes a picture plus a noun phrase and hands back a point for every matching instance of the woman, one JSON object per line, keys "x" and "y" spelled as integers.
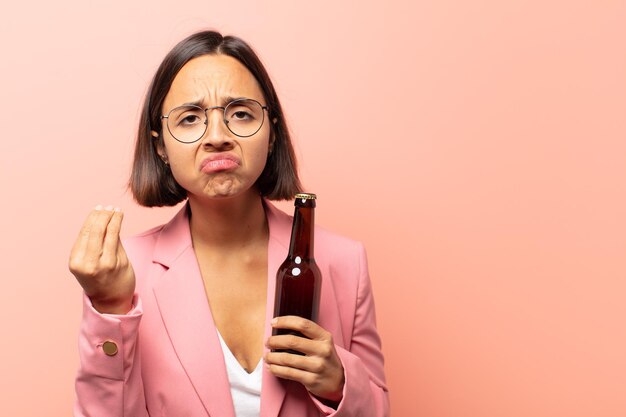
{"x": 178, "y": 320}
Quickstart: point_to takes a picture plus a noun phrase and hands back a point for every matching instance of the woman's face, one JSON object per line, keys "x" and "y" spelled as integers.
{"x": 220, "y": 164}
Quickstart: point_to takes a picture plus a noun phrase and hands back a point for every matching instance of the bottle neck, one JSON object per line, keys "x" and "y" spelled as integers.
{"x": 302, "y": 231}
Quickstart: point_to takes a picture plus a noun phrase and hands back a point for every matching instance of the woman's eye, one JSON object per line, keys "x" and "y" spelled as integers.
{"x": 191, "y": 119}
{"x": 241, "y": 115}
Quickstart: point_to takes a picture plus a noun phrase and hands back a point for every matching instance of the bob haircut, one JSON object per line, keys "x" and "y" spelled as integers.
{"x": 151, "y": 180}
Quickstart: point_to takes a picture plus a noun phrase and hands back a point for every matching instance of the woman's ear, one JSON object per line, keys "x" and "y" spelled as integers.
{"x": 158, "y": 145}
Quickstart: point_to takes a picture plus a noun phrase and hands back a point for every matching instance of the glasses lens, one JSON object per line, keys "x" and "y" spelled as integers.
{"x": 244, "y": 117}
{"x": 187, "y": 123}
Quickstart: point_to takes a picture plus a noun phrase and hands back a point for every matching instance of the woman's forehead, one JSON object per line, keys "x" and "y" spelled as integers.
{"x": 212, "y": 78}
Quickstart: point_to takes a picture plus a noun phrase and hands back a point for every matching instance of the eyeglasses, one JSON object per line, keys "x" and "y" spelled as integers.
{"x": 243, "y": 117}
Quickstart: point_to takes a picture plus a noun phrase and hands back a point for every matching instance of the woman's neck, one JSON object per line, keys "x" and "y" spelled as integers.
{"x": 227, "y": 224}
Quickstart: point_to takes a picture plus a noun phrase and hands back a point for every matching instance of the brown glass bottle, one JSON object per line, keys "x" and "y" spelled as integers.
{"x": 299, "y": 280}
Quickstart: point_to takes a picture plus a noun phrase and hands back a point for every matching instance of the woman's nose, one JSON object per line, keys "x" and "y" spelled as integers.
{"x": 217, "y": 134}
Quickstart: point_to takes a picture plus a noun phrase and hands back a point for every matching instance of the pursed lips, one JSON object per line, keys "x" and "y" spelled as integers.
{"x": 220, "y": 162}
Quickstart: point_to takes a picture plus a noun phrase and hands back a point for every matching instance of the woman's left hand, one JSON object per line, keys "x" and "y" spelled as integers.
{"x": 319, "y": 370}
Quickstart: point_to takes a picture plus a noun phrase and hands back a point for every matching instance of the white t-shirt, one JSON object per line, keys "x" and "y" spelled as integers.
{"x": 245, "y": 388}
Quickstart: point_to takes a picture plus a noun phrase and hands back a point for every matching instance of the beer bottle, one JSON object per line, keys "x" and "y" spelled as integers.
{"x": 299, "y": 280}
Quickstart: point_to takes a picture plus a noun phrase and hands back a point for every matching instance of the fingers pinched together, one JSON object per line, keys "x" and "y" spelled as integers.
{"x": 99, "y": 262}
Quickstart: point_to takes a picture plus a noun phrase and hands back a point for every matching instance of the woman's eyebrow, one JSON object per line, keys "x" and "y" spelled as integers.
{"x": 200, "y": 102}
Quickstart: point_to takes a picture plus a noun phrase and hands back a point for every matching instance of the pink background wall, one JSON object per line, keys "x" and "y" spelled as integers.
{"x": 477, "y": 148}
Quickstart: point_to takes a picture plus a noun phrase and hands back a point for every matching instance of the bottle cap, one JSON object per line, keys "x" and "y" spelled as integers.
{"x": 306, "y": 196}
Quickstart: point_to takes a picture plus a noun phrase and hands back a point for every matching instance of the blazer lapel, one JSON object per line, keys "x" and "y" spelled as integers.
{"x": 182, "y": 301}
{"x": 273, "y": 389}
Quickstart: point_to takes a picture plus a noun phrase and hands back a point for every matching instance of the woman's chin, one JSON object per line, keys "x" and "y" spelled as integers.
{"x": 225, "y": 188}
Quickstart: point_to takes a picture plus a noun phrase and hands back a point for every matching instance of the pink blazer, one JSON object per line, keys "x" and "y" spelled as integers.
{"x": 169, "y": 360}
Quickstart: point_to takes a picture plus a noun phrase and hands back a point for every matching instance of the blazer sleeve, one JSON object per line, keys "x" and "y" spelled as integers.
{"x": 109, "y": 383}
{"x": 365, "y": 391}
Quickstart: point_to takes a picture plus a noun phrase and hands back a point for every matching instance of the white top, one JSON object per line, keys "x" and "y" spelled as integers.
{"x": 245, "y": 388}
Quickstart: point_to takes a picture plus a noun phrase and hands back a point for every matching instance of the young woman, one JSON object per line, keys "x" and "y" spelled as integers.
{"x": 177, "y": 321}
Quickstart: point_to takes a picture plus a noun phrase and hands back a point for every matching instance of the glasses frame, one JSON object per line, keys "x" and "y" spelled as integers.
{"x": 206, "y": 118}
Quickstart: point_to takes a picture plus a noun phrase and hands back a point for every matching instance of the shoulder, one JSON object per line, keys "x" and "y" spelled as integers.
{"x": 166, "y": 239}
{"x": 342, "y": 257}
{"x": 327, "y": 243}
{"x": 334, "y": 245}
{"x": 144, "y": 242}
{"x": 144, "y": 237}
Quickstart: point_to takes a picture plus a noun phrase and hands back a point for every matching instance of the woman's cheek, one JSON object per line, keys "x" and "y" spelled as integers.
{"x": 183, "y": 174}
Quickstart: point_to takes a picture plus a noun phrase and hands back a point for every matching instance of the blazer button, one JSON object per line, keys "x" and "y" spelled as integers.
{"x": 110, "y": 348}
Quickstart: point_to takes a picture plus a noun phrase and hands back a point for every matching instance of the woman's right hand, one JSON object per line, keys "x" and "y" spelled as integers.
{"x": 99, "y": 262}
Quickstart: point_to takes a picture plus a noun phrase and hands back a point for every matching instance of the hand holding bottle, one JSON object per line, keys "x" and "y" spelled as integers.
{"x": 99, "y": 262}
{"x": 318, "y": 367}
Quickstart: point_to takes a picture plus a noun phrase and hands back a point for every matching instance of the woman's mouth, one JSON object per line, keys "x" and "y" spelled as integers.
{"x": 219, "y": 162}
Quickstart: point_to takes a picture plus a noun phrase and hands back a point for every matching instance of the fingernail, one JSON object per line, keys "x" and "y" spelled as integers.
{"x": 274, "y": 321}
{"x": 108, "y": 208}
{"x": 117, "y": 209}
{"x": 98, "y": 207}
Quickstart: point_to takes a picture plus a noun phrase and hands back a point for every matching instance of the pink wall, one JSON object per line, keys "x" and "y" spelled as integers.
{"x": 477, "y": 148}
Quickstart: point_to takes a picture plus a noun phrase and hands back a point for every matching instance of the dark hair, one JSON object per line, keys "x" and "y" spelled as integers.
{"x": 151, "y": 180}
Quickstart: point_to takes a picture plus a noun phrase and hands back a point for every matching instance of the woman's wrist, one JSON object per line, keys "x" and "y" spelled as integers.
{"x": 112, "y": 306}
